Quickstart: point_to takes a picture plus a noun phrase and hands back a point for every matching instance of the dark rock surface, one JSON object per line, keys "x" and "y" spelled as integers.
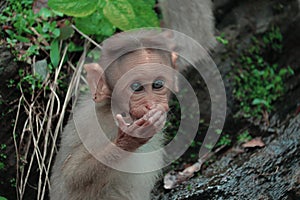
{"x": 273, "y": 171}
{"x": 8, "y": 106}
{"x": 270, "y": 173}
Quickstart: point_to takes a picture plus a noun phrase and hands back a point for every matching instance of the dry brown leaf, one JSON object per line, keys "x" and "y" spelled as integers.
{"x": 172, "y": 179}
{"x": 256, "y": 142}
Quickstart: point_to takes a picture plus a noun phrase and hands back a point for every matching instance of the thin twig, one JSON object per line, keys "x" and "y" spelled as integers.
{"x": 36, "y": 144}
{"x": 81, "y": 76}
{"x": 16, "y": 146}
{"x": 86, "y": 37}
{"x": 66, "y": 101}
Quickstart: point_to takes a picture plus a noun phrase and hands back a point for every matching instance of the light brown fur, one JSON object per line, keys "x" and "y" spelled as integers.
{"x": 77, "y": 175}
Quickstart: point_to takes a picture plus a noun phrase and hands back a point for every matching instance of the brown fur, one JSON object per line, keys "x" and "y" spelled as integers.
{"x": 77, "y": 175}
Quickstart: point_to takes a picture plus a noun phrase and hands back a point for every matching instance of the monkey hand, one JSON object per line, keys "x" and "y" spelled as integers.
{"x": 132, "y": 136}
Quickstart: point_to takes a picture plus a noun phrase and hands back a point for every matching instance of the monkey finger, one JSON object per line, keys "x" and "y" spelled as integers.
{"x": 151, "y": 113}
{"x": 140, "y": 122}
{"x": 136, "y": 126}
{"x": 121, "y": 122}
{"x": 151, "y": 120}
{"x": 155, "y": 117}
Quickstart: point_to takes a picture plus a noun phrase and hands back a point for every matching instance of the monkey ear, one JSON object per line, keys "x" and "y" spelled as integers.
{"x": 97, "y": 82}
{"x": 174, "y": 57}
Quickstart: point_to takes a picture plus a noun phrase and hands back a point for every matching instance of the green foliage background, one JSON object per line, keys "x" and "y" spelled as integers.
{"x": 103, "y": 17}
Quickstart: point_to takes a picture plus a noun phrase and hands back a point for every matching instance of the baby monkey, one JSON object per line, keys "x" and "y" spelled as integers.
{"x": 130, "y": 88}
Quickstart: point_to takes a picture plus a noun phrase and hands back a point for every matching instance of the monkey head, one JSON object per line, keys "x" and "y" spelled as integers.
{"x": 141, "y": 78}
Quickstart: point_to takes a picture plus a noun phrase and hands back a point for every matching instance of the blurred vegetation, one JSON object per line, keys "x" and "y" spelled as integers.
{"x": 258, "y": 78}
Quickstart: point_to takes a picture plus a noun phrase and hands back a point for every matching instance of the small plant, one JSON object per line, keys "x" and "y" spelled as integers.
{"x": 31, "y": 37}
{"x": 193, "y": 155}
{"x": 32, "y": 82}
{"x": 209, "y": 146}
{"x": 3, "y": 147}
{"x": 13, "y": 182}
{"x": 193, "y": 144}
{"x": 189, "y": 187}
{"x": 3, "y": 156}
{"x": 224, "y": 140}
{"x": 244, "y": 137}
{"x": 221, "y": 39}
{"x": 28, "y": 34}
{"x": 258, "y": 81}
{"x": 173, "y": 121}
{"x": 2, "y": 165}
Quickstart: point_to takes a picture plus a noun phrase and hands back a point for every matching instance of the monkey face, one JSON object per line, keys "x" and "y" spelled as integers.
{"x": 147, "y": 86}
{"x": 148, "y": 95}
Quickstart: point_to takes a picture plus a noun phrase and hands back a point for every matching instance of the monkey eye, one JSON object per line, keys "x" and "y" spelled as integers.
{"x": 136, "y": 87}
{"x": 158, "y": 84}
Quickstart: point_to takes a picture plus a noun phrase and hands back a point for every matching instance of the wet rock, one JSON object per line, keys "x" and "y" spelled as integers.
{"x": 272, "y": 172}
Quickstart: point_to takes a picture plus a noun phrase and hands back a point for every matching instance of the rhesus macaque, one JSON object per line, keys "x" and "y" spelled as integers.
{"x": 77, "y": 174}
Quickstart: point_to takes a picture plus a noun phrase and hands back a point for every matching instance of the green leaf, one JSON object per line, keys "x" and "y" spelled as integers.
{"x": 95, "y": 24}
{"x": 54, "y": 53}
{"x": 209, "y": 146}
{"x": 45, "y": 13}
{"x": 283, "y": 72}
{"x": 56, "y": 33}
{"x": 21, "y": 38}
{"x": 260, "y": 101}
{"x": 120, "y": 13}
{"x": 151, "y": 3}
{"x": 66, "y": 32}
{"x": 3, "y": 198}
{"x": 2, "y": 166}
{"x": 76, "y": 8}
{"x": 145, "y": 15}
{"x": 129, "y": 14}
{"x": 291, "y": 71}
{"x": 74, "y": 48}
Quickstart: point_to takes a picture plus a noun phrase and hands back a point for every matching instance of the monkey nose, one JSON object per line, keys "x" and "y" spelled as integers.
{"x": 149, "y": 106}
